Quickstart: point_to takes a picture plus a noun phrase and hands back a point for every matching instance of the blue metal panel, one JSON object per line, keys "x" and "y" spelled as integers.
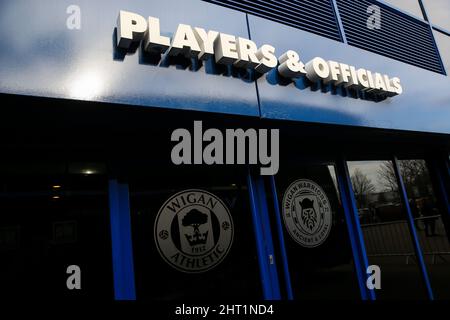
{"x": 424, "y": 105}
{"x": 400, "y": 36}
{"x": 41, "y": 56}
{"x": 412, "y": 228}
{"x": 354, "y": 228}
{"x": 44, "y": 58}
{"x": 122, "y": 249}
{"x": 315, "y": 16}
{"x": 284, "y": 259}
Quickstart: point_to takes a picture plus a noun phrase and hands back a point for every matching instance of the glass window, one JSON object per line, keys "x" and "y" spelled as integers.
{"x": 53, "y": 217}
{"x": 443, "y": 43}
{"x": 315, "y": 232}
{"x": 193, "y": 235}
{"x": 410, "y": 6}
{"x": 385, "y": 229}
{"x": 431, "y": 223}
{"x": 438, "y": 12}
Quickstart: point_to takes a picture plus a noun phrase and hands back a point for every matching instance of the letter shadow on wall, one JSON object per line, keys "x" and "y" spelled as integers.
{"x": 181, "y": 62}
{"x": 302, "y": 83}
{"x": 119, "y": 53}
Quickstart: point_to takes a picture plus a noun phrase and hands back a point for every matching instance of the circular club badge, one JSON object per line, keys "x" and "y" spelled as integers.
{"x": 307, "y": 213}
{"x": 193, "y": 231}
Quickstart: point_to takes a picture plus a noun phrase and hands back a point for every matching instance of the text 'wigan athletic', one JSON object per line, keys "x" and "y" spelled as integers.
{"x": 194, "y": 231}
{"x": 195, "y": 42}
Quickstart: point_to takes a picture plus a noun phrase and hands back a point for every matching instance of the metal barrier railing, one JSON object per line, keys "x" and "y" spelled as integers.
{"x": 392, "y": 239}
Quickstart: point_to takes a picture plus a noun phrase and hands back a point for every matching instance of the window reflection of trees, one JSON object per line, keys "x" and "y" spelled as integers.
{"x": 372, "y": 195}
{"x": 385, "y": 228}
{"x": 383, "y": 218}
{"x": 377, "y": 200}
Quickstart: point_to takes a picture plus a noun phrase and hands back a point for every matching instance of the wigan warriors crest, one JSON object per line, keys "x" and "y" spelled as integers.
{"x": 307, "y": 213}
{"x": 193, "y": 231}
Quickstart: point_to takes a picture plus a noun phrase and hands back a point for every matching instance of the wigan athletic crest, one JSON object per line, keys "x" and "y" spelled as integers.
{"x": 307, "y": 213}
{"x": 193, "y": 231}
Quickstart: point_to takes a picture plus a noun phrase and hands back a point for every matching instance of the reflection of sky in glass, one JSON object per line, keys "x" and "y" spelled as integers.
{"x": 370, "y": 169}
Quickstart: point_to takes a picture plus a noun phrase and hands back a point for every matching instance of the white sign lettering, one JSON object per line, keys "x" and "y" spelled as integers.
{"x": 244, "y": 53}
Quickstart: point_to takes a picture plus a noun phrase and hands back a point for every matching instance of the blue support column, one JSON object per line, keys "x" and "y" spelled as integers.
{"x": 264, "y": 244}
{"x": 412, "y": 229}
{"x": 447, "y": 174}
{"x": 447, "y": 164}
{"x": 354, "y": 228}
{"x": 264, "y": 213}
{"x": 445, "y": 180}
{"x": 121, "y": 242}
{"x": 287, "y": 276}
{"x": 263, "y": 267}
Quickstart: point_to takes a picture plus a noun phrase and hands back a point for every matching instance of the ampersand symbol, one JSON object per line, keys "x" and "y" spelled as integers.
{"x": 290, "y": 65}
